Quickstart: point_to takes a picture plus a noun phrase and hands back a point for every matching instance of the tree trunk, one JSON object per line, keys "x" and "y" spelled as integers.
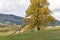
{"x": 19, "y": 31}
{"x": 38, "y": 28}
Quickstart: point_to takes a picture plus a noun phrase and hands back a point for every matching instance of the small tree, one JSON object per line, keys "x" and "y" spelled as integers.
{"x": 38, "y": 14}
{"x": 16, "y": 28}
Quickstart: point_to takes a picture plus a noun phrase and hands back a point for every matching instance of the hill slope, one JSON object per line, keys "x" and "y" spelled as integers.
{"x": 10, "y": 19}
{"x": 13, "y": 19}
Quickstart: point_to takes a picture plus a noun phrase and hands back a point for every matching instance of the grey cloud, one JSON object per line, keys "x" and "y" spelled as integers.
{"x": 58, "y": 9}
{"x": 16, "y": 7}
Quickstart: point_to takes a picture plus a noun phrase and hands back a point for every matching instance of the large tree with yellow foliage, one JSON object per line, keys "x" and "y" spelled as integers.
{"x": 38, "y": 14}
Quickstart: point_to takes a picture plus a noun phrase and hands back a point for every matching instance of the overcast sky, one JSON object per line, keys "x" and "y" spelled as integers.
{"x": 18, "y": 7}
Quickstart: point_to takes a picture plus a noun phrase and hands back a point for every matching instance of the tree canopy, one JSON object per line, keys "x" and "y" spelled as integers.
{"x": 38, "y": 14}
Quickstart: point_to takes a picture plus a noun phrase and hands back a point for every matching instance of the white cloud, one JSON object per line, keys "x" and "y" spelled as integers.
{"x": 55, "y": 7}
{"x": 18, "y": 7}
{"x": 54, "y": 4}
{"x": 56, "y": 14}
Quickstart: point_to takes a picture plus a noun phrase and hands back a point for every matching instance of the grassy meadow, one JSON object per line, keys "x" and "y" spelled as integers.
{"x": 52, "y": 34}
{"x": 40, "y": 35}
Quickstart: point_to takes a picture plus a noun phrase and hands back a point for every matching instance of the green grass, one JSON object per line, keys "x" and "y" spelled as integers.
{"x": 40, "y": 35}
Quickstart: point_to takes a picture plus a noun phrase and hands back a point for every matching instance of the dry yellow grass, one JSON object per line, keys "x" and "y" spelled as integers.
{"x": 25, "y": 30}
{"x": 47, "y": 28}
{"x": 51, "y": 27}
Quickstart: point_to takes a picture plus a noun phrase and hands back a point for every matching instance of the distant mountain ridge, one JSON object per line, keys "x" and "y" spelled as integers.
{"x": 13, "y": 19}
{"x": 10, "y": 19}
{"x": 57, "y": 23}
